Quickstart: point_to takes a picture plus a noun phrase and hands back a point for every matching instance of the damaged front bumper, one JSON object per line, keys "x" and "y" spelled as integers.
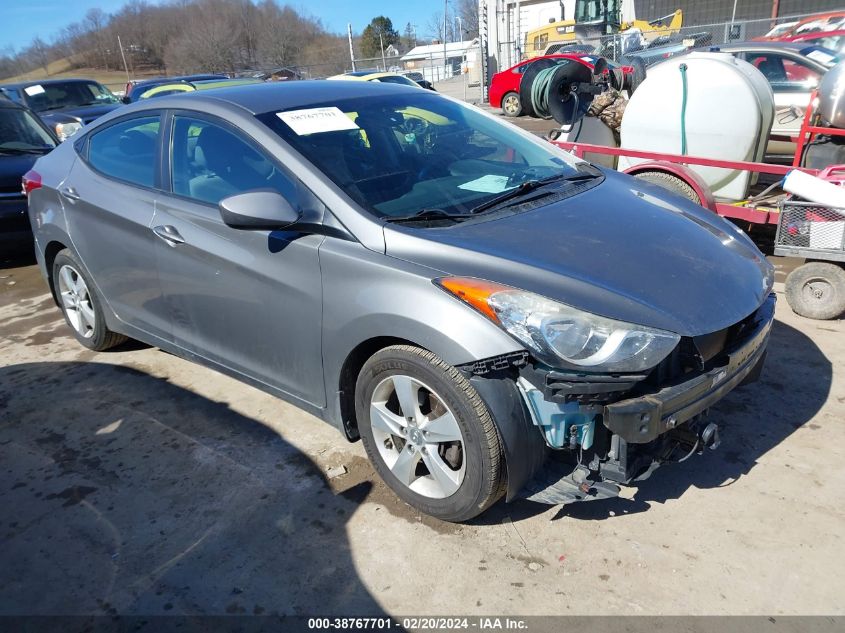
{"x": 603, "y": 431}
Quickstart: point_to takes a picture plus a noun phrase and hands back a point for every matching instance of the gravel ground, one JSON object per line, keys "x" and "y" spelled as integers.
{"x": 134, "y": 482}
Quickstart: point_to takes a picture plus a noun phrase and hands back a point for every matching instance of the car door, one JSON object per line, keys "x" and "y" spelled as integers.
{"x": 249, "y": 300}
{"x": 109, "y": 200}
{"x": 792, "y": 82}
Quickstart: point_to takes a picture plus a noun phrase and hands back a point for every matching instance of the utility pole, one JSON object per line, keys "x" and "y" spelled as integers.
{"x": 445, "y": 18}
{"x": 351, "y": 51}
{"x": 125, "y": 66}
{"x": 381, "y": 43}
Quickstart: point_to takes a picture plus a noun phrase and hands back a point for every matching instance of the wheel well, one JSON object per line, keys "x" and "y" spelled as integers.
{"x": 349, "y": 376}
{"x": 53, "y": 249}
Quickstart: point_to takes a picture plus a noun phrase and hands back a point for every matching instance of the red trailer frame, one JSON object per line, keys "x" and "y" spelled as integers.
{"x": 677, "y": 165}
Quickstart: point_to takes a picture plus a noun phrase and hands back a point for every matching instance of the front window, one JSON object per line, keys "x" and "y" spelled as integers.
{"x": 210, "y": 162}
{"x": 21, "y": 133}
{"x": 784, "y": 74}
{"x": 398, "y": 155}
{"x": 587, "y": 11}
{"x": 70, "y": 94}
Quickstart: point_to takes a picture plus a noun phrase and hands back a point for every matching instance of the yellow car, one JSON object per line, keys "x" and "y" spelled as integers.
{"x": 387, "y": 78}
{"x": 190, "y": 86}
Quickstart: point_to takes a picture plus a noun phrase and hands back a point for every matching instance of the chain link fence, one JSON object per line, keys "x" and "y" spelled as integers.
{"x": 651, "y": 47}
{"x": 457, "y": 74}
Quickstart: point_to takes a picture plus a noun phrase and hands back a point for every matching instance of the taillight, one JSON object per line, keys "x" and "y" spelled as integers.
{"x": 30, "y": 182}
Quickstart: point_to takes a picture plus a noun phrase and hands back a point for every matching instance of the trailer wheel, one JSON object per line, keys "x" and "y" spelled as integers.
{"x": 816, "y": 290}
{"x": 669, "y": 182}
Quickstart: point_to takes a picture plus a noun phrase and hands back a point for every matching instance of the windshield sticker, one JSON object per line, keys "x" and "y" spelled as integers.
{"x": 37, "y": 89}
{"x": 487, "y": 184}
{"x": 821, "y": 57}
{"x": 315, "y": 120}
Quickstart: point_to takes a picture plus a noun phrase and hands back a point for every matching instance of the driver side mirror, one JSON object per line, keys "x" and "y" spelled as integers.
{"x": 262, "y": 209}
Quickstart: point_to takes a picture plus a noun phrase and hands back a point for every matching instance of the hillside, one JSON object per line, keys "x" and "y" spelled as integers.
{"x": 62, "y": 68}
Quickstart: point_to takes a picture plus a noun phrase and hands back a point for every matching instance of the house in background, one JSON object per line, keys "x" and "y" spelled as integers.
{"x": 460, "y": 57}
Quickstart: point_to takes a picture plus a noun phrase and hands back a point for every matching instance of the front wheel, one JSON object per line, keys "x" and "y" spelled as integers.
{"x": 511, "y": 104}
{"x": 428, "y": 434}
{"x": 816, "y": 290}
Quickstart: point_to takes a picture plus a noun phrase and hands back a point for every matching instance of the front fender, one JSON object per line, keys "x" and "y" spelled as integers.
{"x": 523, "y": 447}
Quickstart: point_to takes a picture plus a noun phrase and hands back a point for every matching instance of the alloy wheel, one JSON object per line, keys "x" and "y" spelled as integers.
{"x": 76, "y": 301}
{"x": 417, "y": 436}
{"x": 512, "y": 104}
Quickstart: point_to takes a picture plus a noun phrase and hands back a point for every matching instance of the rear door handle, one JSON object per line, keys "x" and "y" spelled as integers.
{"x": 69, "y": 193}
{"x": 169, "y": 234}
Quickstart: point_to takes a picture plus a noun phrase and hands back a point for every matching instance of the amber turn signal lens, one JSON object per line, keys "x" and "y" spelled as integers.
{"x": 475, "y": 292}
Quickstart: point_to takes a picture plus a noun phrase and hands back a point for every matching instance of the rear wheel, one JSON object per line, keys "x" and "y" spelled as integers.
{"x": 80, "y": 305}
{"x": 817, "y": 290}
{"x": 428, "y": 434}
{"x": 671, "y": 183}
{"x": 511, "y": 104}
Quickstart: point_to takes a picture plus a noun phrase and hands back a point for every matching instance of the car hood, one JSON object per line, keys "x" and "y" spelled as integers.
{"x": 85, "y": 114}
{"x": 623, "y": 249}
{"x": 12, "y": 168}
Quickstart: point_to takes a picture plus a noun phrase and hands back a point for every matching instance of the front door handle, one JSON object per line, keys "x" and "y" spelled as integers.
{"x": 69, "y": 193}
{"x": 169, "y": 234}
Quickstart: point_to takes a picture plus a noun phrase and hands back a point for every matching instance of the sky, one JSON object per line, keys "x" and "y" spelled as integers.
{"x": 22, "y": 20}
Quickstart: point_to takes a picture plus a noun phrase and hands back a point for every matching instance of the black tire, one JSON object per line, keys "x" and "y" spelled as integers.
{"x": 816, "y": 290}
{"x": 101, "y": 338}
{"x": 639, "y": 74}
{"x": 516, "y": 110}
{"x": 484, "y": 479}
{"x": 670, "y": 183}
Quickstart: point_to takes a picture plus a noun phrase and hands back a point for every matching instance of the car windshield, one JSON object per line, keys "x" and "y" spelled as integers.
{"x": 822, "y": 55}
{"x": 70, "y": 94}
{"x": 19, "y": 131}
{"x": 398, "y": 155}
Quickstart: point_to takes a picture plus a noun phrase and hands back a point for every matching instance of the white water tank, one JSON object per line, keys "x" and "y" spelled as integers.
{"x": 729, "y": 113}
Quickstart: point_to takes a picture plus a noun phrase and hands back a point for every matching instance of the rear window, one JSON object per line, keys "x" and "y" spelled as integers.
{"x": 127, "y": 150}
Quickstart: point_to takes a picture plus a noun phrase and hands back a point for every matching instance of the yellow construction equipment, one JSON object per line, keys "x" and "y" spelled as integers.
{"x": 594, "y": 20}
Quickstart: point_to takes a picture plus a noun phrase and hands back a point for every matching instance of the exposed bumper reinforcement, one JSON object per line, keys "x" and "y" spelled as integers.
{"x": 643, "y": 419}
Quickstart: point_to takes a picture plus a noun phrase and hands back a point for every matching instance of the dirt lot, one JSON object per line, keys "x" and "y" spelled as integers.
{"x": 136, "y": 483}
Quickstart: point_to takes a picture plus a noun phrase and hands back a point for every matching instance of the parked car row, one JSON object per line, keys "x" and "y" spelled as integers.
{"x": 23, "y": 139}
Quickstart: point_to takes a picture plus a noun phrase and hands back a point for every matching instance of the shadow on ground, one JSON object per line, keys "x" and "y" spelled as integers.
{"x": 123, "y": 493}
{"x": 752, "y": 420}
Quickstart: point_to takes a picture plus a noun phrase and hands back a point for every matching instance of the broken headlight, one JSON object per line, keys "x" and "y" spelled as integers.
{"x": 563, "y": 336}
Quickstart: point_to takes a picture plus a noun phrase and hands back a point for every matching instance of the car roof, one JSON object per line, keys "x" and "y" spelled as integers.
{"x": 366, "y": 75}
{"x": 47, "y": 82}
{"x": 576, "y": 56}
{"x": 813, "y": 35}
{"x": 770, "y": 46}
{"x": 276, "y": 96}
{"x": 178, "y": 78}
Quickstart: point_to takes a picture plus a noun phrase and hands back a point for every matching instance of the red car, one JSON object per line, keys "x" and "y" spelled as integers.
{"x": 504, "y": 87}
{"x": 831, "y": 40}
{"x": 812, "y": 25}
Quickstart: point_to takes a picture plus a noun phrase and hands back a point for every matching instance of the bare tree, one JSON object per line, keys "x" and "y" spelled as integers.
{"x": 468, "y": 12}
{"x": 41, "y": 53}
